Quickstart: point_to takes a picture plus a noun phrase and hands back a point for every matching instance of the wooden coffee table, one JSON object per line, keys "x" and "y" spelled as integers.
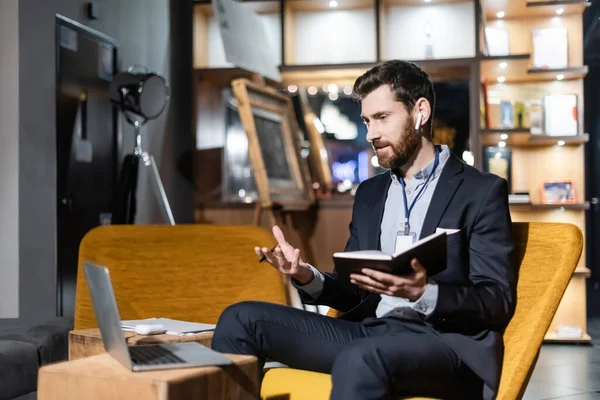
{"x": 101, "y": 377}
{"x": 88, "y": 342}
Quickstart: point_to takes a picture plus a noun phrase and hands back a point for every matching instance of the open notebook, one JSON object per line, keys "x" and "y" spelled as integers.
{"x": 172, "y": 326}
{"x": 430, "y": 251}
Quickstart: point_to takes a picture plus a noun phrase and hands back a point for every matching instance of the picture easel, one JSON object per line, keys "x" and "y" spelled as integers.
{"x": 277, "y": 200}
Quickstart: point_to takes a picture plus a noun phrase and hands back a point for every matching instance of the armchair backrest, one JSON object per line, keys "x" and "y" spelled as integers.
{"x": 548, "y": 254}
{"x": 187, "y": 272}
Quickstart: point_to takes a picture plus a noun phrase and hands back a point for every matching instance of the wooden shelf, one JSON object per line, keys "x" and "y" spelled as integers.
{"x": 226, "y": 75}
{"x": 545, "y": 207}
{"x": 531, "y": 9}
{"x": 551, "y": 74}
{"x": 523, "y": 138}
{"x": 401, "y": 3}
{"x": 517, "y": 70}
{"x": 506, "y": 58}
{"x": 553, "y": 338}
{"x": 346, "y": 74}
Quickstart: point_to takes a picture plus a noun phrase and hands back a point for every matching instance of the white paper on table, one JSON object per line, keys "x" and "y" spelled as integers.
{"x": 172, "y": 326}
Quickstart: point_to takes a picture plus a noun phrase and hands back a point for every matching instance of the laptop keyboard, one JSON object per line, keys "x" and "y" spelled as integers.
{"x": 153, "y": 355}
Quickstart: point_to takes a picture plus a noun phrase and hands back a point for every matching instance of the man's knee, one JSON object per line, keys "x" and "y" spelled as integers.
{"x": 358, "y": 359}
{"x": 235, "y": 322}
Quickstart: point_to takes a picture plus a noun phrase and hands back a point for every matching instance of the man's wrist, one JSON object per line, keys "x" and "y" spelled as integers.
{"x": 306, "y": 276}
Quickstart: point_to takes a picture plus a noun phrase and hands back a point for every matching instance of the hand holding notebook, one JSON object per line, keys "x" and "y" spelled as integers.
{"x": 430, "y": 251}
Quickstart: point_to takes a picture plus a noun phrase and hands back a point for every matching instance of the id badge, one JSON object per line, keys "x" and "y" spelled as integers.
{"x": 404, "y": 241}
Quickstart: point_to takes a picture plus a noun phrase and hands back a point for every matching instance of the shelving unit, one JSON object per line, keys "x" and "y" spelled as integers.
{"x": 538, "y": 158}
{"x": 317, "y": 44}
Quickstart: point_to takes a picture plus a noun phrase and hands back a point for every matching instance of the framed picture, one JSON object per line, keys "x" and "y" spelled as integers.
{"x": 550, "y": 49}
{"x": 560, "y": 115}
{"x": 497, "y": 41}
{"x": 238, "y": 183}
{"x": 281, "y": 173}
{"x": 498, "y": 161}
{"x": 318, "y": 155}
{"x": 558, "y": 192}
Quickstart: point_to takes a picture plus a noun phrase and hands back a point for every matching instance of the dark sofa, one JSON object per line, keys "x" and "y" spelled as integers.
{"x": 24, "y": 349}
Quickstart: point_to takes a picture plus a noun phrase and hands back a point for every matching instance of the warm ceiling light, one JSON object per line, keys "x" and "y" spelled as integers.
{"x": 292, "y": 88}
{"x": 501, "y": 79}
{"x": 504, "y": 136}
{"x": 561, "y": 142}
{"x": 312, "y": 90}
{"x": 560, "y": 77}
{"x": 501, "y": 144}
{"x": 500, "y": 14}
{"x": 333, "y": 3}
{"x": 560, "y": 11}
{"x": 503, "y": 64}
{"x": 348, "y": 90}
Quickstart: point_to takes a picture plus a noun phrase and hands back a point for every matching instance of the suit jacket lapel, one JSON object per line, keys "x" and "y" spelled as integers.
{"x": 449, "y": 181}
{"x": 377, "y": 204}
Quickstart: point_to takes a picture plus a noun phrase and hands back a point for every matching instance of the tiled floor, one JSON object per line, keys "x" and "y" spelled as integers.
{"x": 569, "y": 372}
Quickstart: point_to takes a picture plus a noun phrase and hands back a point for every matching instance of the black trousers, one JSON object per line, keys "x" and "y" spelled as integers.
{"x": 375, "y": 359}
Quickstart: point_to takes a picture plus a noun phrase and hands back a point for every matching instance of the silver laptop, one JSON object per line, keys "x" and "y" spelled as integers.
{"x": 140, "y": 357}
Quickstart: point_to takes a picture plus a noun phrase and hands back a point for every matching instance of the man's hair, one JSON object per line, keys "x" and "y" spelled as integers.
{"x": 408, "y": 81}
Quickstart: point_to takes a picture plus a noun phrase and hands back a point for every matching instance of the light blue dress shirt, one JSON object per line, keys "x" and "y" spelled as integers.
{"x": 392, "y": 222}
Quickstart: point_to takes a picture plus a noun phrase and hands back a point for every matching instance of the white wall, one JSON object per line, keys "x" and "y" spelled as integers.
{"x": 9, "y": 159}
{"x": 216, "y": 52}
{"x": 452, "y": 31}
{"x": 339, "y": 36}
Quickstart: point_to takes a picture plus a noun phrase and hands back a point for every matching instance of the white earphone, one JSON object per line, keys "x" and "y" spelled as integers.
{"x": 418, "y": 125}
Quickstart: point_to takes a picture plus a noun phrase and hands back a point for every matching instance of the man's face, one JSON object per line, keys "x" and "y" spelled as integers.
{"x": 391, "y": 129}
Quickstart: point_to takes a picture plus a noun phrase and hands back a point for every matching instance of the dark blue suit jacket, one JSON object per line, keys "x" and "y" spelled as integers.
{"x": 477, "y": 291}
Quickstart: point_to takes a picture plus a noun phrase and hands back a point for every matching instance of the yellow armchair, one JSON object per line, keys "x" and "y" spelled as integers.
{"x": 548, "y": 254}
{"x": 187, "y": 272}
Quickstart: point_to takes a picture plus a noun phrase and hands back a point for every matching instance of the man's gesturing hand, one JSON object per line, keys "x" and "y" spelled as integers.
{"x": 286, "y": 259}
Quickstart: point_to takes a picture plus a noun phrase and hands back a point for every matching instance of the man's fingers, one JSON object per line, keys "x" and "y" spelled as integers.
{"x": 295, "y": 259}
{"x": 279, "y": 236}
{"x": 379, "y": 276}
{"x": 417, "y": 266}
{"x": 368, "y": 281}
{"x": 269, "y": 256}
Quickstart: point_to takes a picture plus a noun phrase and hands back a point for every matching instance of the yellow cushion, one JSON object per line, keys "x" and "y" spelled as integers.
{"x": 279, "y": 383}
{"x": 548, "y": 254}
{"x": 187, "y": 272}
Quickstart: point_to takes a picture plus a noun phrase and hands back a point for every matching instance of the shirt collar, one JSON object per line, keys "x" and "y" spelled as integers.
{"x": 424, "y": 172}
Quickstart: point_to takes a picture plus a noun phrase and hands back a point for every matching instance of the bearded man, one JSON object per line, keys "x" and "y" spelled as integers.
{"x": 411, "y": 335}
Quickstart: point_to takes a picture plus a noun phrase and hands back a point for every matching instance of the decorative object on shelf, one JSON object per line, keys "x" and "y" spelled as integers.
{"x": 498, "y": 161}
{"x": 238, "y": 182}
{"x": 318, "y": 155}
{"x": 281, "y": 173}
{"x": 506, "y": 115}
{"x": 560, "y": 115}
{"x": 536, "y": 117}
{"x": 484, "y": 104}
{"x": 428, "y": 41}
{"x": 497, "y": 41}
{"x": 558, "y": 192}
{"x": 520, "y": 111}
{"x": 550, "y": 50}
{"x": 519, "y": 198}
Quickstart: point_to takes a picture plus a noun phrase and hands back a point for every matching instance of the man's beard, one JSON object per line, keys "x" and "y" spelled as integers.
{"x": 403, "y": 150}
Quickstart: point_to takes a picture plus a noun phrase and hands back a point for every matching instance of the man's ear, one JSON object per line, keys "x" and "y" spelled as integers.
{"x": 422, "y": 106}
